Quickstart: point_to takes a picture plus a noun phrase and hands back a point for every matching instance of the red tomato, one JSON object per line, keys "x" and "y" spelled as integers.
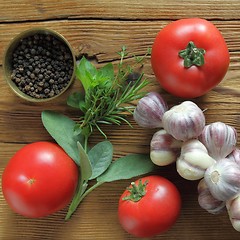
{"x": 198, "y": 77}
{"x": 153, "y": 213}
{"x": 39, "y": 180}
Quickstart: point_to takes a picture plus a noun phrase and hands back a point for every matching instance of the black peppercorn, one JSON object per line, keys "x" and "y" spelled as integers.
{"x": 41, "y": 66}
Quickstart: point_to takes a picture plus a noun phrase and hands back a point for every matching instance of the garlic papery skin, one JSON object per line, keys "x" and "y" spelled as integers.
{"x": 233, "y": 208}
{"x": 149, "y": 111}
{"x": 223, "y": 179}
{"x": 235, "y": 155}
{"x": 184, "y": 121}
{"x": 164, "y": 149}
{"x": 219, "y": 138}
{"x": 194, "y": 160}
{"x": 207, "y": 201}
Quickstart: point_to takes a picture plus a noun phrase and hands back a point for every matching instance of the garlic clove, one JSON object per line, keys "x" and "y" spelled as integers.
{"x": 233, "y": 207}
{"x": 164, "y": 149}
{"x": 193, "y": 145}
{"x": 184, "y": 121}
{"x": 194, "y": 160}
{"x": 236, "y": 224}
{"x": 207, "y": 201}
{"x": 219, "y": 138}
{"x": 223, "y": 179}
{"x": 235, "y": 155}
{"x": 192, "y": 165}
{"x": 162, "y": 157}
{"x": 149, "y": 111}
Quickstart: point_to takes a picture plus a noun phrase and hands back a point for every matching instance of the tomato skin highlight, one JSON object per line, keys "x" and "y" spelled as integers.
{"x": 155, "y": 212}
{"x": 39, "y": 180}
{"x": 168, "y": 66}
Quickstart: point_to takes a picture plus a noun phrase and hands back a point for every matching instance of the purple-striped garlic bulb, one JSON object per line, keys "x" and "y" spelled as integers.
{"x": 150, "y": 110}
{"x": 207, "y": 201}
{"x": 184, "y": 121}
{"x": 219, "y": 138}
{"x": 235, "y": 155}
{"x": 233, "y": 208}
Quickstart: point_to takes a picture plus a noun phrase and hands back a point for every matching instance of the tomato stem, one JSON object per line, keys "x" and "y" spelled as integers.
{"x": 137, "y": 192}
{"x": 192, "y": 55}
{"x": 31, "y": 181}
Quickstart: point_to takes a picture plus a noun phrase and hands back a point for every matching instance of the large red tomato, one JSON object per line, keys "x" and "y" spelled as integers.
{"x": 150, "y": 206}
{"x": 39, "y": 180}
{"x": 189, "y": 57}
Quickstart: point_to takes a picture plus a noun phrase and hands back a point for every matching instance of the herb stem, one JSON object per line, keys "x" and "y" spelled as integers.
{"x": 79, "y": 199}
{"x": 90, "y": 190}
{"x": 86, "y": 143}
{"x": 76, "y": 199}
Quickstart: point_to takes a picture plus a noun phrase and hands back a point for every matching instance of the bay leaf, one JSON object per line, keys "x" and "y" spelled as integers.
{"x": 127, "y": 167}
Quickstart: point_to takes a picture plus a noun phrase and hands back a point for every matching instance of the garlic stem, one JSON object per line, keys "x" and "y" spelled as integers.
{"x": 215, "y": 177}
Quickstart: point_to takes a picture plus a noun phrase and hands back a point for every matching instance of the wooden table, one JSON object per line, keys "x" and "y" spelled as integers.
{"x": 99, "y": 29}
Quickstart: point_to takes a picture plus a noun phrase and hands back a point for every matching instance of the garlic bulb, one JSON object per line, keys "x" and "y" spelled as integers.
{"x": 164, "y": 148}
{"x": 207, "y": 201}
{"x": 194, "y": 160}
{"x": 235, "y": 155}
{"x": 223, "y": 179}
{"x": 219, "y": 138}
{"x": 184, "y": 121}
{"x": 233, "y": 208}
{"x": 150, "y": 110}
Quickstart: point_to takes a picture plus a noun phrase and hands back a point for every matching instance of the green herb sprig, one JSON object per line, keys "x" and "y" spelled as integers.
{"x": 107, "y": 96}
{"x": 107, "y": 99}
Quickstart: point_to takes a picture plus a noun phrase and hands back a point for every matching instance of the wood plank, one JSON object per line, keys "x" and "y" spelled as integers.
{"x": 102, "y": 39}
{"x": 104, "y": 9}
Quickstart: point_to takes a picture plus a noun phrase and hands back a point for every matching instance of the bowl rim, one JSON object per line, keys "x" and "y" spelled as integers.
{"x": 12, "y": 45}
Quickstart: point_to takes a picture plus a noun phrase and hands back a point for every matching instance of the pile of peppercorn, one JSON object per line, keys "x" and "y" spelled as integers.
{"x": 42, "y": 66}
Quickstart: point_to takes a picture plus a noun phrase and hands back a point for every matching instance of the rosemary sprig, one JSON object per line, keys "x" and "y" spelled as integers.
{"x": 108, "y": 96}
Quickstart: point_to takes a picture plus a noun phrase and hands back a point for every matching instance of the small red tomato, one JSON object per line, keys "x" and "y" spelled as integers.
{"x": 39, "y": 180}
{"x": 150, "y": 206}
{"x": 189, "y": 57}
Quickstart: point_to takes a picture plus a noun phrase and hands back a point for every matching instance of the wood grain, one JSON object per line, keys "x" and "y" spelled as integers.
{"x": 124, "y": 9}
{"x": 98, "y": 29}
{"x": 102, "y": 39}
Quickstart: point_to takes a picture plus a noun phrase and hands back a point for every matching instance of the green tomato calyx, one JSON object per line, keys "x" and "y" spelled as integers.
{"x": 192, "y": 55}
{"x": 137, "y": 192}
